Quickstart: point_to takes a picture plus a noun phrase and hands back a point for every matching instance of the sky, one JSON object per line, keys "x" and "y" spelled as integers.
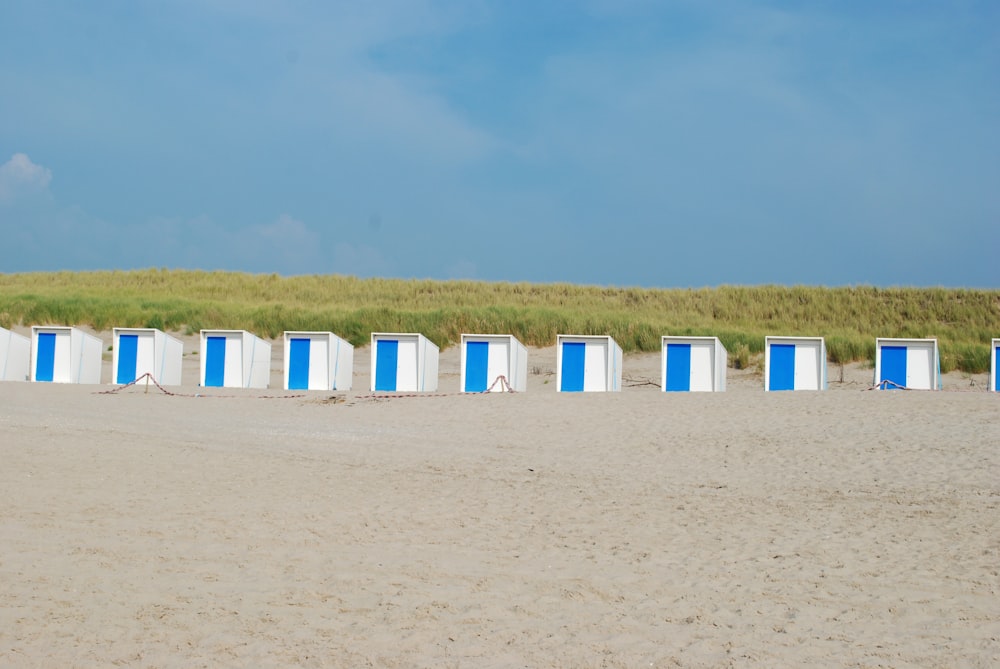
{"x": 661, "y": 144}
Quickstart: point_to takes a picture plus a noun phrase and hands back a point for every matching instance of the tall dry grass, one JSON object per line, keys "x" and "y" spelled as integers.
{"x": 964, "y": 321}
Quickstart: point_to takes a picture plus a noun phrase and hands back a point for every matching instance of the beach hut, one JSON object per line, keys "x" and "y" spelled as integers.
{"x": 794, "y": 363}
{"x": 693, "y": 364}
{"x": 995, "y": 366}
{"x": 907, "y": 363}
{"x": 15, "y": 356}
{"x": 234, "y": 359}
{"x": 405, "y": 362}
{"x": 141, "y": 351}
{"x": 317, "y": 361}
{"x": 61, "y": 354}
{"x": 485, "y": 358}
{"x": 588, "y": 363}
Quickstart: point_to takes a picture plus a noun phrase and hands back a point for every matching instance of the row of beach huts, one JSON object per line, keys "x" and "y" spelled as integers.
{"x": 408, "y": 362}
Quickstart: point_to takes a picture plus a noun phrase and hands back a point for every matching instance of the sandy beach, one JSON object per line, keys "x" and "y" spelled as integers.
{"x": 272, "y": 528}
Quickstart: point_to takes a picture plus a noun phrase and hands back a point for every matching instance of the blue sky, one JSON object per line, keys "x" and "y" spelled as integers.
{"x": 610, "y": 142}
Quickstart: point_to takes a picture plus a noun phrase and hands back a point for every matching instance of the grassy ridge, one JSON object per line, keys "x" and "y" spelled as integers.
{"x": 964, "y": 321}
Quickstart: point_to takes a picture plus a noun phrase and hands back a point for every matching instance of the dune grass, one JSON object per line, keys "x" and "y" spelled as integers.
{"x": 964, "y": 321}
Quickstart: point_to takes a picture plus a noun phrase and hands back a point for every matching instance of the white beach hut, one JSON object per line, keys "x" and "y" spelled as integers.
{"x": 995, "y": 366}
{"x": 485, "y": 358}
{"x": 907, "y": 363}
{"x": 794, "y": 363}
{"x": 234, "y": 359}
{"x": 693, "y": 364}
{"x": 15, "y": 356}
{"x": 141, "y": 351}
{"x": 588, "y": 363}
{"x": 317, "y": 361}
{"x": 405, "y": 362}
{"x": 61, "y": 354}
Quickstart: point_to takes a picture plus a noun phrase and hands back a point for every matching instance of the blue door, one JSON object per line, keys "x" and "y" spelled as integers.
{"x": 45, "y": 362}
{"x": 678, "y": 368}
{"x": 386, "y": 363}
{"x": 215, "y": 362}
{"x": 128, "y": 350}
{"x": 782, "y": 367}
{"x": 298, "y": 364}
{"x": 574, "y": 355}
{"x": 476, "y": 366}
{"x": 893, "y": 367}
{"x": 996, "y": 366}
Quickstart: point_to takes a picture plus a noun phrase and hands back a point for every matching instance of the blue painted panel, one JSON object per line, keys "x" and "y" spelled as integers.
{"x": 678, "y": 368}
{"x": 215, "y": 362}
{"x": 573, "y": 359}
{"x": 477, "y": 358}
{"x": 893, "y": 367}
{"x": 386, "y": 364}
{"x": 298, "y": 364}
{"x": 128, "y": 348}
{"x": 996, "y": 366}
{"x": 45, "y": 361}
{"x": 782, "y": 367}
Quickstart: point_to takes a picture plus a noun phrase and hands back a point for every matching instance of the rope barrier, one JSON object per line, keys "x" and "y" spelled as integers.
{"x": 149, "y": 379}
{"x": 884, "y": 385}
{"x": 631, "y": 382}
{"x": 504, "y": 385}
{"x": 501, "y": 380}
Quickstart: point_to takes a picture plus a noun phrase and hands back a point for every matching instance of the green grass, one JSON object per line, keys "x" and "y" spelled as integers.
{"x": 964, "y": 321}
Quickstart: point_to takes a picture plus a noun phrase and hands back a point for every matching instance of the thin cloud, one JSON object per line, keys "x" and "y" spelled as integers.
{"x": 19, "y": 177}
{"x": 462, "y": 269}
{"x": 358, "y": 260}
{"x": 286, "y": 244}
{"x": 53, "y": 237}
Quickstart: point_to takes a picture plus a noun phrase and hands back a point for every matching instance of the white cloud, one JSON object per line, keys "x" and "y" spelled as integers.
{"x": 393, "y": 111}
{"x": 338, "y": 86}
{"x": 358, "y": 260}
{"x": 462, "y": 269}
{"x": 51, "y": 237}
{"x": 286, "y": 244}
{"x": 286, "y": 227}
{"x": 19, "y": 177}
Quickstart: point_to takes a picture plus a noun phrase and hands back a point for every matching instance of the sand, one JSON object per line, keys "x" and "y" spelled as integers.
{"x": 221, "y": 528}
